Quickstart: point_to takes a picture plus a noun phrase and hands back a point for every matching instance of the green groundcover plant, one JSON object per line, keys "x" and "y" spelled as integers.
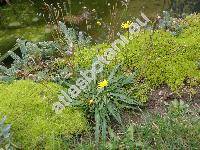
{"x": 34, "y": 124}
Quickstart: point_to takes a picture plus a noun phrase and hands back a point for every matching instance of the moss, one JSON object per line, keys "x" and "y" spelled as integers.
{"x": 28, "y": 106}
{"x": 83, "y": 58}
{"x": 171, "y": 60}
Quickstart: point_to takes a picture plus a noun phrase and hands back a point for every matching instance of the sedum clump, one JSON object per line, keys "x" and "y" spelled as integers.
{"x": 34, "y": 123}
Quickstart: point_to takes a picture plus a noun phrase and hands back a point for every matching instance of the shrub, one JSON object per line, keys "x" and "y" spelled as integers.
{"x": 28, "y": 107}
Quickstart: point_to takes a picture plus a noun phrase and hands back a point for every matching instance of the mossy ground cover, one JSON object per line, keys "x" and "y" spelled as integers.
{"x": 28, "y": 107}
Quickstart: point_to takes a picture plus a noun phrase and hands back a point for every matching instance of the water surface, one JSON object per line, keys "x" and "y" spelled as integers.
{"x": 21, "y": 18}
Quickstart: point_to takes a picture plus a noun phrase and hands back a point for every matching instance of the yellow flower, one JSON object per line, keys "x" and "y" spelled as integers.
{"x": 91, "y": 102}
{"x": 102, "y": 84}
{"x": 126, "y": 25}
{"x": 98, "y": 23}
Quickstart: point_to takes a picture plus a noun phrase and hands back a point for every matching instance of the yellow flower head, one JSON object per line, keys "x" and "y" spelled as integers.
{"x": 91, "y": 102}
{"x": 98, "y": 23}
{"x": 102, "y": 84}
{"x": 126, "y": 25}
